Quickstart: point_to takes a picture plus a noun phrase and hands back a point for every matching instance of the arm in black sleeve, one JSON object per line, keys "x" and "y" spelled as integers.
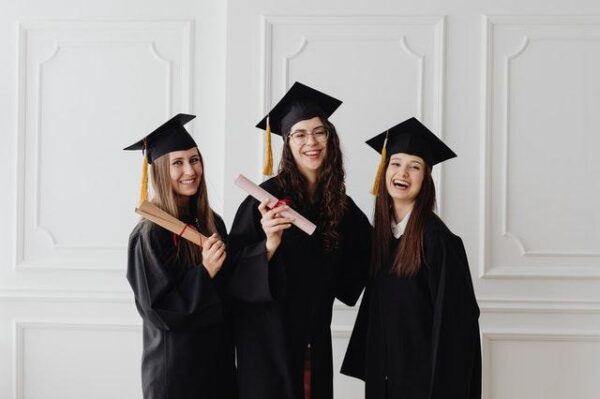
{"x": 247, "y": 245}
{"x": 352, "y": 271}
{"x": 456, "y": 356}
{"x": 169, "y": 295}
{"x": 354, "y": 363}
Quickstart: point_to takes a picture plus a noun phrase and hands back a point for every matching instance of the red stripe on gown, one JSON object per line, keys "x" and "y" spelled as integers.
{"x": 307, "y": 374}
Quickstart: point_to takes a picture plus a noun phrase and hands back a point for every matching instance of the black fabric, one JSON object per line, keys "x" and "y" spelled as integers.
{"x": 301, "y": 102}
{"x": 418, "y": 337}
{"x": 412, "y": 137}
{"x": 187, "y": 327}
{"x": 285, "y": 304}
{"x": 168, "y": 137}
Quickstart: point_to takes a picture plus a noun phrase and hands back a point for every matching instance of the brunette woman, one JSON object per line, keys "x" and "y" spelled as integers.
{"x": 178, "y": 285}
{"x": 285, "y": 280}
{"x": 417, "y": 331}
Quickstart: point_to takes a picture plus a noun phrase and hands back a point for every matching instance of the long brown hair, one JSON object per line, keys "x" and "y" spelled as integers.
{"x": 164, "y": 198}
{"x": 330, "y": 193}
{"x": 408, "y": 256}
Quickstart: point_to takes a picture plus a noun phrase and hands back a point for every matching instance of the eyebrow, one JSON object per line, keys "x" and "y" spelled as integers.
{"x": 190, "y": 157}
{"x": 305, "y": 130}
{"x": 398, "y": 158}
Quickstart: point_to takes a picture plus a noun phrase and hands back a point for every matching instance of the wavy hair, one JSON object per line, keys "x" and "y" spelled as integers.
{"x": 330, "y": 193}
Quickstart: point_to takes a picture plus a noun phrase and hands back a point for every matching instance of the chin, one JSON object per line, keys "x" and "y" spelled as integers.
{"x": 314, "y": 166}
{"x": 188, "y": 192}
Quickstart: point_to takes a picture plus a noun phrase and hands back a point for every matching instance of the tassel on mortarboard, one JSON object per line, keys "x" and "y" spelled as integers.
{"x": 268, "y": 162}
{"x": 381, "y": 167}
{"x": 168, "y": 137}
{"x": 144, "y": 182}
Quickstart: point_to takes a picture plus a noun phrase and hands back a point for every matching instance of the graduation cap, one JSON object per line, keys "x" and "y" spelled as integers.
{"x": 410, "y": 137}
{"x": 301, "y": 102}
{"x": 168, "y": 137}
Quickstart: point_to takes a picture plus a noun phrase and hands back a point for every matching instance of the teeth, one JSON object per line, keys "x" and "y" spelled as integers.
{"x": 187, "y": 181}
{"x": 400, "y": 183}
{"x": 311, "y": 153}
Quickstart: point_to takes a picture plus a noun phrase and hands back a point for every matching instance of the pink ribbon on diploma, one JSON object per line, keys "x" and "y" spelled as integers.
{"x": 261, "y": 194}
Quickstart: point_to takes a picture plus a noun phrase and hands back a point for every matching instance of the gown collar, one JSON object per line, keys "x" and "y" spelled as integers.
{"x": 398, "y": 228}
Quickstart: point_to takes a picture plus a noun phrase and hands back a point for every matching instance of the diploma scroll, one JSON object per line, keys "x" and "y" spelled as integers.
{"x": 260, "y": 194}
{"x": 151, "y": 212}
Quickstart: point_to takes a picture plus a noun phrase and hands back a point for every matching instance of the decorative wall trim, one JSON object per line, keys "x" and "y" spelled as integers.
{"x": 31, "y": 124}
{"x": 522, "y": 335}
{"x": 438, "y": 24}
{"x": 339, "y": 331}
{"x": 19, "y": 328}
{"x": 537, "y": 306}
{"x": 69, "y": 296}
{"x": 486, "y": 270}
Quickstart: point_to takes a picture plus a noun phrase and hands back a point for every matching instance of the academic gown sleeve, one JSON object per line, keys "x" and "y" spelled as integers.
{"x": 247, "y": 243}
{"x": 456, "y": 353}
{"x": 168, "y": 295}
{"x": 352, "y": 271}
{"x": 355, "y": 358}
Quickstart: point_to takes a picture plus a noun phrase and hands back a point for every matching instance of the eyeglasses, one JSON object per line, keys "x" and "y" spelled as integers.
{"x": 320, "y": 135}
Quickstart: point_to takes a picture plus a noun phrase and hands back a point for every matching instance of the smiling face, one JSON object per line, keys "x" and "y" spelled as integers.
{"x": 185, "y": 169}
{"x": 308, "y": 144}
{"x": 404, "y": 178}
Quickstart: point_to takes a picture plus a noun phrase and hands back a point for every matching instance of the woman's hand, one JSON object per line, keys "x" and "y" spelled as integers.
{"x": 213, "y": 255}
{"x": 273, "y": 225}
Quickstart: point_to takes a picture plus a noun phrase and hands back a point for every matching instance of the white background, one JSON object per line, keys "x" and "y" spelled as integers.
{"x": 511, "y": 86}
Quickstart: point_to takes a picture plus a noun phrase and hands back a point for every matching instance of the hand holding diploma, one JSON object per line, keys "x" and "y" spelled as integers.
{"x": 273, "y": 224}
{"x": 270, "y": 201}
{"x": 151, "y": 212}
{"x": 213, "y": 255}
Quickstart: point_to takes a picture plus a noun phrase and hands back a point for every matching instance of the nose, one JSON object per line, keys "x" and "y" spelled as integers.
{"x": 188, "y": 169}
{"x": 404, "y": 171}
{"x": 310, "y": 139}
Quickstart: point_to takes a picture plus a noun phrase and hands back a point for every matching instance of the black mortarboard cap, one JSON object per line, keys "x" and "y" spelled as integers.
{"x": 168, "y": 137}
{"x": 412, "y": 137}
{"x": 301, "y": 102}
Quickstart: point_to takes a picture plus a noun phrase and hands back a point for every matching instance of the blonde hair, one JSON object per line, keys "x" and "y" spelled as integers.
{"x": 164, "y": 198}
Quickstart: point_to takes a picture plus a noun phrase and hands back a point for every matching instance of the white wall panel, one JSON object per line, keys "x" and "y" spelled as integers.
{"x": 541, "y": 364}
{"x": 134, "y": 74}
{"x": 344, "y": 386}
{"x": 515, "y": 93}
{"x": 74, "y": 360}
{"x": 541, "y": 218}
{"x": 343, "y": 56}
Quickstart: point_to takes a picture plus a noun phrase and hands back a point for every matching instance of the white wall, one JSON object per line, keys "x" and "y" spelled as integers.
{"x": 80, "y": 81}
{"x": 510, "y": 86}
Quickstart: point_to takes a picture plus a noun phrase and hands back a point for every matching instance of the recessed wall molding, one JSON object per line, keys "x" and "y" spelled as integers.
{"x": 288, "y": 40}
{"x": 507, "y": 39}
{"x": 20, "y": 327}
{"x": 161, "y": 51}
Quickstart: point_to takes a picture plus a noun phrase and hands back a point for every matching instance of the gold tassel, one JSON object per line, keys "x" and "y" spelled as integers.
{"x": 144, "y": 182}
{"x": 268, "y": 163}
{"x": 381, "y": 167}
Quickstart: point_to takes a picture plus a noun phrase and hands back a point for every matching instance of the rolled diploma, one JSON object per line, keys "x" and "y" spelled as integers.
{"x": 260, "y": 194}
{"x": 151, "y": 212}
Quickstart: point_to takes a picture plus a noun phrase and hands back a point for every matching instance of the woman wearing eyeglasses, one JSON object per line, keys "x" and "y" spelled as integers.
{"x": 286, "y": 281}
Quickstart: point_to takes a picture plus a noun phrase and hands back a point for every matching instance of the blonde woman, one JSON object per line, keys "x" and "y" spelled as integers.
{"x": 178, "y": 285}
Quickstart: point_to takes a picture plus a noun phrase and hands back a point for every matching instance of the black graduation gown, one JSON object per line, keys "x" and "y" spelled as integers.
{"x": 284, "y": 305}
{"x": 187, "y": 337}
{"x": 418, "y": 337}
